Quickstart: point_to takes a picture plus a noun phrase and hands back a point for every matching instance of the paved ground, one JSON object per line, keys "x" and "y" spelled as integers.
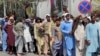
{"x": 29, "y": 54}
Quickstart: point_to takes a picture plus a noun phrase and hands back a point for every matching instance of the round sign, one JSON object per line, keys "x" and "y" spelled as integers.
{"x": 84, "y": 7}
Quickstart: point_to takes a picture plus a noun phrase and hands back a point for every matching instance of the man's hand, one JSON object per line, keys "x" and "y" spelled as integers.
{"x": 71, "y": 33}
{"x": 77, "y": 41}
{"x": 87, "y": 42}
{"x": 42, "y": 29}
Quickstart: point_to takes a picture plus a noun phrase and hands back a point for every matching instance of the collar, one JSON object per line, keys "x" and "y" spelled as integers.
{"x": 69, "y": 21}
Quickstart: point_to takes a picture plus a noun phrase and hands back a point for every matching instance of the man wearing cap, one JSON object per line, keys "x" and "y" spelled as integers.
{"x": 48, "y": 33}
{"x": 69, "y": 40}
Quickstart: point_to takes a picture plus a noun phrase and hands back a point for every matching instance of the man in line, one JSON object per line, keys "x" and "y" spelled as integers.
{"x": 79, "y": 35}
{"x": 19, "y": 29}
{"x": 57, "y": 44}
{"x": 47, "y": 35}
{"x": 92, "y": 34}
{"x": 66, "y": 29}
{"x": 4, "y": 34}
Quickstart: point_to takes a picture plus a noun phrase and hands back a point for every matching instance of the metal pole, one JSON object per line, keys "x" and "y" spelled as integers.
{"x": 36, "y": 4}
{"x": 35, "y": 9}
{"x": 4, "y": 7}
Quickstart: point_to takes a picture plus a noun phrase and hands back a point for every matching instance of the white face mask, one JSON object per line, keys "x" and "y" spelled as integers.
{"x": 80, "y": 21}
{"x": 97, "y": 19}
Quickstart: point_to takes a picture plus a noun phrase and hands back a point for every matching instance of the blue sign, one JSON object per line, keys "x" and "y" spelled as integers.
{"x": 84, "y": 7}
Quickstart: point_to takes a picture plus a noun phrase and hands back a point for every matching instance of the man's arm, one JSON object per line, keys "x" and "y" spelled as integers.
{"x": 62, "y": 28}
{"x": 87, "y": 35}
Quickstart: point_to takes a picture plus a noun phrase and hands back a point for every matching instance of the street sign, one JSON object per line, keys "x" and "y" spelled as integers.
{"x": 84, "y": 7}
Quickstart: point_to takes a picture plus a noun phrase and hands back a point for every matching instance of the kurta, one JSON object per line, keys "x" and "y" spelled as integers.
{"x": 39, "y": 37}
{"x": 19, "y": 29}
{"x": 37, "y": 27}
{"x": 47, "y": 27}
{"x": 58, "y": 33}
{"x": 11, "y": 36}
{"x": 66, "y": 28}
{"x": 27, "y": 34}
{"x": 51, "y": 26}
{"x": 92, "y": 36}
{"x": 80, "y": 36}
{"x": 99, "y": 34}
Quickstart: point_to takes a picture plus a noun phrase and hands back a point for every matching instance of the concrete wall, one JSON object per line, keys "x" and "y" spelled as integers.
{"x": 43, "y": 8}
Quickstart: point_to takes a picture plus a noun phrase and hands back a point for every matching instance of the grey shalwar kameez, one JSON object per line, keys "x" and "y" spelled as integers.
{"x": 19, "y": 28}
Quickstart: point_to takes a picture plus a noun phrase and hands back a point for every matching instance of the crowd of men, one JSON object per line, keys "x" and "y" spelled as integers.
{"x": 58, "y": 36}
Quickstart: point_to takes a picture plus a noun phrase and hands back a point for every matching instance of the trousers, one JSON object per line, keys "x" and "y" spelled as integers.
{"x": 4, "y": 38}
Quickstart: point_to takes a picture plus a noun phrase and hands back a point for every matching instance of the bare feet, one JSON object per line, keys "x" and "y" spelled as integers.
{"x": 18, "y": 54}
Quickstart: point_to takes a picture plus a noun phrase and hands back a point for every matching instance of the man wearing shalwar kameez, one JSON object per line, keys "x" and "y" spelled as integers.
{"x": 79, "y": 34}
{"x": 66, "y": 29}
{"x": 38, "y": 35}
{"x": 47, "y": 36}
{"x": 92, "y": 35}
{"x": 4, "y": 34}
{"x": 57, "y": 44}
{"x": 53, "y": 24}
{"x": 19, "y": 43}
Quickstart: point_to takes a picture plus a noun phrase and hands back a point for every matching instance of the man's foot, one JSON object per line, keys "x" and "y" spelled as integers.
{"x": 9, "y": 52}
{"x": 19, "y": 55}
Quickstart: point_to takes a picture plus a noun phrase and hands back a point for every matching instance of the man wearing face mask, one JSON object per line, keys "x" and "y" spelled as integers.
{"x": 80, "y": 36}
{"x": 98, "y": 20}
{"x": 92, "y": 35}
{"x": 69, "y": 40}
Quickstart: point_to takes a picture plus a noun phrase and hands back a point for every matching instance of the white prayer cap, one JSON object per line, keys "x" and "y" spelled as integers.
{"x": 28, "y": 20}
{"x": 65, "y": 14}
{"x": 89, "y": 17}
{"x": 47, "y": 14}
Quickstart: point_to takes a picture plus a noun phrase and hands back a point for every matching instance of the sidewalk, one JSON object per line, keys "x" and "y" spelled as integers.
{"x": 5, "y": 54}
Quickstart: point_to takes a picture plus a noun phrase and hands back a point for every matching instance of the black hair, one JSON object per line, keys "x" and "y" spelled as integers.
{"x": 54, "y": 15}
{"x": 59, "y": 19}
{"x": 38, "y": 18}
{"x": 71, "y": 16}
